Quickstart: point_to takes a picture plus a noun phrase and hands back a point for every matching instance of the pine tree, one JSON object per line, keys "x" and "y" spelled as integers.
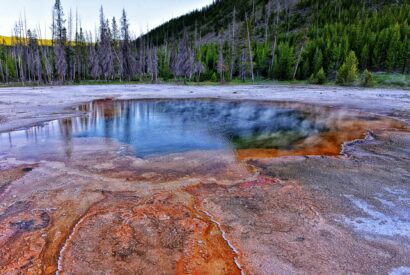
{"x": 317, "y": 60}
{"x": 320, "y": 76}
{"x": 59, "y": 41}
{"x": 347, "y": 73}
{"x": 283, "y": 68}
{"x": 406, "y": 56}
{"x": 393, "y": 48}
{"x": 380, "y": 51}
{"x": 364, "y": 56}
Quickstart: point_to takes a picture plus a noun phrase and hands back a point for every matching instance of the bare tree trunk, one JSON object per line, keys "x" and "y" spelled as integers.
{"x": 253, "y": 17}
{"x": 196, "y": 35}
{"x": 287, "y": 10}
{"x": 273, "y": 53}
{"x": 48, "y": 67}
{"x": 70, "y": 46}
{"x": 340, "y": 9}
{"x": 232, "y": 65}
{"x": 7, "y": 73}
{"x": 155, "y": 64}
{"x": 317, "y": 19}
{"x": 298, "y": 62}
{"x": 19, "y": 51}
{"x": 275, "y": 35}
{"x": 1, "y": 71}
{"x": 221, "y": 64}
{"x": 267, "y": 21}
{"x": 249, "y": 47}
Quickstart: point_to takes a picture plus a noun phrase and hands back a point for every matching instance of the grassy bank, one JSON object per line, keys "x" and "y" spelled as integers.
{"x": 380, "y": 80}
{"x": 391, "y": 80}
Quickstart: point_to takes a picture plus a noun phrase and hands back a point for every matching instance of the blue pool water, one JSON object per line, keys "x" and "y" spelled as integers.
{"x": 158, "y": 127}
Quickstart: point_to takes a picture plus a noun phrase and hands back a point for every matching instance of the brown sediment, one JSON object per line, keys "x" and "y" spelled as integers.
{"x": 32, "y": 237}
{"x": 128, "y": 234}
{"x": 330, "y": 143}
{"x": 100, "y": 211}
{"x": 233, "y": 250}
{"x": 174, "y": 167}
{"x": 21, "y": 241}
{"x": 10, "y": 174}
{"x": 282, "y": 228}
{"x": 44, "y": 213}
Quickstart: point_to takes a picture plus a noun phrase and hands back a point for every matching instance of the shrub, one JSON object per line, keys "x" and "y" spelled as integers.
{"x": 367, "y": 79}
{"x": 312, "y": 79}
{"x": 318, "y": 78}
{"x": 214, "y": 77}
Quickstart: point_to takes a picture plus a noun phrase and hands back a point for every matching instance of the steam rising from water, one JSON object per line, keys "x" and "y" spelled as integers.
{"x": 160, "y": 127}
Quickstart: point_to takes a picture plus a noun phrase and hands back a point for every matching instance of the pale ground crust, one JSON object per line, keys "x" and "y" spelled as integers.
{"x": 105, "y": 211}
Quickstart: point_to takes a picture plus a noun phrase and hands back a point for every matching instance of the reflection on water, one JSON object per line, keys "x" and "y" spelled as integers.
{"x": 157, "y": 127}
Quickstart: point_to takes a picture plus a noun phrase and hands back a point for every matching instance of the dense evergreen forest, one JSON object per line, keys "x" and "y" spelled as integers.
{"x": 231, "y": 39}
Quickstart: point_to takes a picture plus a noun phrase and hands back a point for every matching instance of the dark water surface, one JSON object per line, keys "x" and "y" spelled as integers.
{"x": 158, "y": 127}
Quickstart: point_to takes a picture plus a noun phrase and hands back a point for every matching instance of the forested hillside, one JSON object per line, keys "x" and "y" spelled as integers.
{"x": 243, "y": 39}
{"x": 293, "y": 40}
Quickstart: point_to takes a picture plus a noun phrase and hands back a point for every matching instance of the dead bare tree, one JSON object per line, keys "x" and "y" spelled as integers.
{"x": 34, "y": 56}
{"x": 243, "y": 64}
{"x": 127, "y": 60}
{"x": 70, "y": 48}
{"x": 152, "y": 64}
{"x": 184, "y": 61}
{"x": 18, "y": 50}
{"x": 233, "y": 44}
{"x": 249, "y": 47}
{"x": 104, "y": 51}
{"x": 267, "y": 18}
{"x": 275, "y": 35}
{"x": 2, "y": 72}
{"x": 221, "y": 62}
{"x": 298, "y": 60}
{"x": 116, "y": 39}
{"x": 141, "y": 57}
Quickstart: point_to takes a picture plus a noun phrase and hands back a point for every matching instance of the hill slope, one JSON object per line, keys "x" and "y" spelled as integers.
{"x": 230, "y": 40}
{"x": 294, "y": 38}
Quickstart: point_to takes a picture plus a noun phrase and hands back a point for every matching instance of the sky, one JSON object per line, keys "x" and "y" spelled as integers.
{"x": 142, "y": 14}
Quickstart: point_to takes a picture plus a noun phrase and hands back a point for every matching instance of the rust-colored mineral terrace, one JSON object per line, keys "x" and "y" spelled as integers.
{"x": 89, "y": 205}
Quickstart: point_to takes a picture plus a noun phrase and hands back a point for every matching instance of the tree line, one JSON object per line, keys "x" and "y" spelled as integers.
{"x": 244, "y": 39}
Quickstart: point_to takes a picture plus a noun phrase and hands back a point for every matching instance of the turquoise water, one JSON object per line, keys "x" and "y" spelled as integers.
{"x": 158, "y": 127}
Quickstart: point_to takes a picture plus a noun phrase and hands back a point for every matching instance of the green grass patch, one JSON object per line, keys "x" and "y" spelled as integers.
{"x": 380, "y": 79}
{"x": 391, "y": 80}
